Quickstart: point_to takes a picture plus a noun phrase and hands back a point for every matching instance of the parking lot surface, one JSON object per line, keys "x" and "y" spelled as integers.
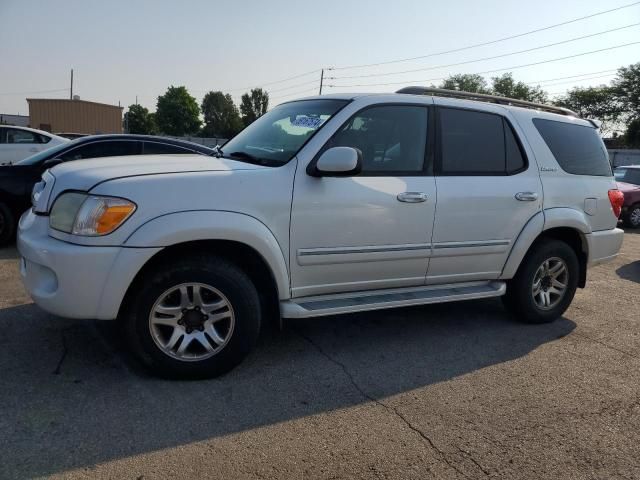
{"x": 445, "y": 391}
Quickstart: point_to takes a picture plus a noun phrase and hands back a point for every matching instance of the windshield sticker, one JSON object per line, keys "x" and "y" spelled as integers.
{"x": 308, "y": 122}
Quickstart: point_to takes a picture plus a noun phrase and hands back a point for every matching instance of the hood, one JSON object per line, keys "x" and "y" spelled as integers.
{"x": 627, "y": 187}
{"x": 84, "y": 174}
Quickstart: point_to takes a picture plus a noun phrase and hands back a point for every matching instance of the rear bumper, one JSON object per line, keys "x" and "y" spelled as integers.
{"x": 75, "y": 281}
{"x": 604, "y": 246}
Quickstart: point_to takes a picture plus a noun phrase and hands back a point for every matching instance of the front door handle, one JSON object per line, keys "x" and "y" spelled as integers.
{"x": 527, "y": 196}
{"x": 412, "y": 197}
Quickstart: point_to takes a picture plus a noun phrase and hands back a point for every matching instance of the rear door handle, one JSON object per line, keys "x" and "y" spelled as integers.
{"x": 412, "y": 197}
{"x": 527, "y": 196}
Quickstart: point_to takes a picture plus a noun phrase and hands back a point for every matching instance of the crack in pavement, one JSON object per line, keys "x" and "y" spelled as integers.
{"x": 604, "y": 344}
{"x": 63, "y": 356}
{"x": 389, "y": 408}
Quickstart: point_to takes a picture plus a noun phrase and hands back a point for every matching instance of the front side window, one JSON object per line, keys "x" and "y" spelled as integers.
{"x": 278, "y": 135}
{"x": 478, "y": 143}
{"x": 578, "y": 149}
{"x": 151, "y": 148}
{"x": 392, "y": 138}
{"x": 103, "y": 149}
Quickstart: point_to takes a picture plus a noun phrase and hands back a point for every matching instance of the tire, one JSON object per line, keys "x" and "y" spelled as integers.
{"x": 520, "y": 300}
{"x": 163, "y": 289}
{"x": 632, "y": 217}
{"x": 7, "y": 224}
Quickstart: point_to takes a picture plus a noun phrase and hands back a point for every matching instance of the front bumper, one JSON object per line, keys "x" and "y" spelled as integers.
{"x": 75, "y": 281}
{"x": 604, "y": 245}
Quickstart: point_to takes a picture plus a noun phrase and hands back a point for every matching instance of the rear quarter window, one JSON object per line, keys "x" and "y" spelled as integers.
{"x": 578, "y": 149}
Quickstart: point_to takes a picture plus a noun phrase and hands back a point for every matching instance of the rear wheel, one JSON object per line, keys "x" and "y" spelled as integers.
{"x": 545, "y": 283}
{"x": 195, "y": 318}
{"x": 632, "y": 217}
{"x": 7, "y": 224}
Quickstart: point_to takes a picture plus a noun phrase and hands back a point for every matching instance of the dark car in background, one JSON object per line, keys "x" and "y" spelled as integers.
{"x": 17, "y": 180}
{"x": 628, "y": 179}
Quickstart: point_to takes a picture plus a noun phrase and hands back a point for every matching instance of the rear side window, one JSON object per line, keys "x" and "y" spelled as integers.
{"x": 577, "y": 149}
{"x": 477, "y": 143}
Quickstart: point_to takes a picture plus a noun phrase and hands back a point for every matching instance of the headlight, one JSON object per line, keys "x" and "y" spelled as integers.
{"x": 89, "y": 215}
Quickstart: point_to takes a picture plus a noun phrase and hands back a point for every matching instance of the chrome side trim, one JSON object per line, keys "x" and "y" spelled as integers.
{"x": 303, "y": 252}
{"x": 489, "y": 243}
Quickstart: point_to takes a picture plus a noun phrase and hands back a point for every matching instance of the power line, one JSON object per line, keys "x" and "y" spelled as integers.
{"x": 294, "y": 86}
{"x": 572, "y": 76}
{"x": 293, "y": 94}
{"x": 492, "y": 71}
{"x": 436, "y": 67}
{"x": 33, "y": 93}
{"x": 503, "y": 39}
{"x": 579, "y": 80}
{"x": 275, "y": 82}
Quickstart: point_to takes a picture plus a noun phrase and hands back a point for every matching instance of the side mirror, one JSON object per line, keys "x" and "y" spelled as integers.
{"x": 337, "y": 162}
{"x": 52, "y": 162}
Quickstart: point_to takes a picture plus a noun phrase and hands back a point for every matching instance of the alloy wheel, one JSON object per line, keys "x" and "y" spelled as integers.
{"x": 550, "y": 283}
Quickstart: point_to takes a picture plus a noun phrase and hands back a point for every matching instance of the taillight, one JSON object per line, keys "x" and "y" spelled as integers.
{"x": 616, "y": 197}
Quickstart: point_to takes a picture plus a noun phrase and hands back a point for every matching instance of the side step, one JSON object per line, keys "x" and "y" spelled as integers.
{"x": 322, "y": 305}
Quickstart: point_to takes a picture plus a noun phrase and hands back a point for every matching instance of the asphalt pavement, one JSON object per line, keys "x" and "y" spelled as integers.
{"x": 444, "y": 391}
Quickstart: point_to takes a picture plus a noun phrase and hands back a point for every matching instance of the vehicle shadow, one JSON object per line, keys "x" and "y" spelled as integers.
{"x": 71, "y": 397}
{"x": 9, "y": 253}
{"x": 630, "y": 271}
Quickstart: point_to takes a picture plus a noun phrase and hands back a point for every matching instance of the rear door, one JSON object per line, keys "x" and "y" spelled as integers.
{"x": 18, "y": 144}
{"x": 488, "y": 189}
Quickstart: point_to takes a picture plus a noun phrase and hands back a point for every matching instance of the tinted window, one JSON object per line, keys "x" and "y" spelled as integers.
{"x": 392, "y": 138}
{"x": 103, "y": 149}
{"x": 477, "y": 143}
{"x": 163, "y": 148}
{"x": 629, "y": 175}
{"x": 577, "y": 149}
{"x": 21, "y": 136}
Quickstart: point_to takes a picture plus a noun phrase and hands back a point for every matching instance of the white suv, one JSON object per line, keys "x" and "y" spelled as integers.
{"x": 323, "y": 206}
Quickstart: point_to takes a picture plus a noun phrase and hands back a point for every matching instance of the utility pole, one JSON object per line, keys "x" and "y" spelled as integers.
{"x": 71, "y": 89}
{"x": 321, "y": 80}
{"x": 136, "y": 99}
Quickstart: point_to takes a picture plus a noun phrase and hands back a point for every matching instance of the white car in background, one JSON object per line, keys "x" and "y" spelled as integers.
{"x": 17, "y": 143}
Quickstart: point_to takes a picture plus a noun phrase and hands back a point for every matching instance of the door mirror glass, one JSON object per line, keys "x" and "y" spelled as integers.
{"x": 337, "y": 162}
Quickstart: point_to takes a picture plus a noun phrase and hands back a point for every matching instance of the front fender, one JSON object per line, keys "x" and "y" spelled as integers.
{"x": 182, "y": 227}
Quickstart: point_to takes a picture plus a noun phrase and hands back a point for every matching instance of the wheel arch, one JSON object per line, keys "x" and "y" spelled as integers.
{"x": 571, "y": 230}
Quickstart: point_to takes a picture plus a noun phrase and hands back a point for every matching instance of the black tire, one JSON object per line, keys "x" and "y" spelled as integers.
{"x": 217, "y": 272}
{"x": 7, "y": 225}
{"x": 632, "y": 217}
{"x": 519, "y": 298}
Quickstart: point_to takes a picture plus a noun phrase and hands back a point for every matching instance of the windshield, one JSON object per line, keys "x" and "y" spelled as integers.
{"x": 277, "y": 136}
{"x": 43, "y": 155}
{"x": 619, "y": 173}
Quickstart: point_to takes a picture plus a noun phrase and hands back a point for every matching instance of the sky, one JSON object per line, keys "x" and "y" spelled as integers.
{"x": 123, "y": 49}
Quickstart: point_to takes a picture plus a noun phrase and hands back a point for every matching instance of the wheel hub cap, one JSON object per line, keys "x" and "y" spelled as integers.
{"x": 191, "y": 321}
{"x": 550, "y": 283}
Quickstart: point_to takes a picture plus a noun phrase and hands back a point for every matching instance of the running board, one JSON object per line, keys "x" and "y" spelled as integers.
{"x": 322, "y": 305}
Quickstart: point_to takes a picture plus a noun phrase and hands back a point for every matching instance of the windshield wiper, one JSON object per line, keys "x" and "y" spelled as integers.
{"x": 247, "y": 156}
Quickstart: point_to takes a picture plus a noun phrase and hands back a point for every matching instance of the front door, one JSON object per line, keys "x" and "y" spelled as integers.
{"x": 372, "y": 230}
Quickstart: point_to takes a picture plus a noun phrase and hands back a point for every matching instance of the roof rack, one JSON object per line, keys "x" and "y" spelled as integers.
{"x": 483, "y": 97}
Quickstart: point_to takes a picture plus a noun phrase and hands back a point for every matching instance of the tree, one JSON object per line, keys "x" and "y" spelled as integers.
{"x": 177, "y": 112}
{"x": 599, "y": 103}
{"x": 221, "y": 116}
{"x": 632, "y": 135}
{"x": 253, "y": 105}
{"x": 466, "y": 82}
{"x": 626, "y": 87}
{"x": 505, "y": 86}
{"x": 139, "y": 120}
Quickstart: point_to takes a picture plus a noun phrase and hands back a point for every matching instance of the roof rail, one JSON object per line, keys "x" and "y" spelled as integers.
{"x": 483, "y": 97}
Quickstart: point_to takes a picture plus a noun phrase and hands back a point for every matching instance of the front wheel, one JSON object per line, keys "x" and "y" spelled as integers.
{"x": 195, "y": 318}
{"x": 545, "y": 283}
{"x": 7, "y": 224}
